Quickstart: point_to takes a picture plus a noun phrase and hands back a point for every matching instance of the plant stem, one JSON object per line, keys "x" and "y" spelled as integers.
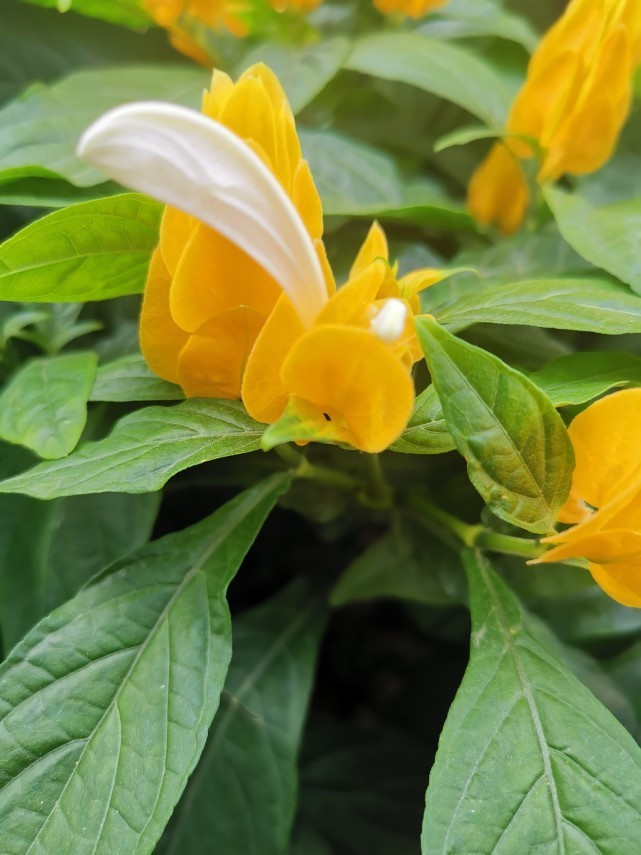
{"x": 475, "y": 536}
{"x": 378, "y": 493}
{"x": 321, "y": 474}
{"x": 509, "y": 545}
{"x": 465, "y": 533}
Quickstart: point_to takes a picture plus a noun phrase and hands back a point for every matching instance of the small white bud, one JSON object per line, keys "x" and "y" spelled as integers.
{"x": 389, "y": 323}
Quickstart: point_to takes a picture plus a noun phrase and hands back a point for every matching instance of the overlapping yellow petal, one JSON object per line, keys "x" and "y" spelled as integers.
{"x": 604, "y": 504}
{"x": 574, "y": 101}
{"x": 212, "y": 282}
{"x": 337, "y": 380}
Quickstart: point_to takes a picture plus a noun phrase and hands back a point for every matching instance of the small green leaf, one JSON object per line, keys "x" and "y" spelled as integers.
{"x": 59, "y": 546}
{"x": 580, "y": 377}
{"x": 106, "y": 703}
{"x": 407, "y": 563}
{"x": 593, "y": 305}
{"x": 519, "y": 456}
{"x": 444, "y": 69}
{"x": 608, "y": 236}
{"x": 40, "y": 131}
{"x": 426, "y": 431}
{"x": 44, "y": 406}
{"x": 130, "y": 379}
{"x": 355, "y": 179}
{"x": 249, "y": 765}
{"x": 144, "y": 450}
{"x": 526, "y": 744}
{"x": 91, "y": 251}
{"x": 302, "y": 71}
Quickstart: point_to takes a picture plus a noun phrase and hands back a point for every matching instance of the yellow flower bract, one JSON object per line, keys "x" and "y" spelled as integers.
{"x": 411, "y": 8}
{"x": 215, "y": 322}
{"x": 604, "y": 505}
{"x": 573, "y": 103}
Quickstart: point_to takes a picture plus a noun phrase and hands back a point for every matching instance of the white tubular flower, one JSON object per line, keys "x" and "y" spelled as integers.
{"x": 388, "y": 325}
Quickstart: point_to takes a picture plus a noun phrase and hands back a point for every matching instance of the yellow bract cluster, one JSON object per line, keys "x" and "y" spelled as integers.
{"x": 604, "y": 505}
{"x": 573, "y": 104}
{"x": 218, "y": 324}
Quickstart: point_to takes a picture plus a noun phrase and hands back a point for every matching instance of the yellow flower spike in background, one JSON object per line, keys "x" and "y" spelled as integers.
{"x": 573, "y": 103}
{"x": 604, "y": 505}
{"x": 176, "y": 15}
{"x": 243, "y": 224}
{"x": 411, "y": 8}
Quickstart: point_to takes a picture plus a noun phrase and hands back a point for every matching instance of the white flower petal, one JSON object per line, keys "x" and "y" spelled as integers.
{"x": 389, "y": 323}
{"x": 185, "y": 159}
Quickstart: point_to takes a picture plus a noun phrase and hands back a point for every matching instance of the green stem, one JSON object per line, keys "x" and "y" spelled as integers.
{"x": 475, "y": 536}
{"x": 509, "y": 545}
{"x": 464, "y": 532}
{"x": 378, "y": 493}
{"x": 321, "y": 474}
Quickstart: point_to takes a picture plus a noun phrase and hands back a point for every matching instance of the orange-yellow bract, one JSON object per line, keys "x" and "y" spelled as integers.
{"x": 604, "y": 505}
{"x": 411, "y": 8}
{"x": 573, "y": 103}
{"x": 342, "y": 379}
{"x": 206, "y": 300}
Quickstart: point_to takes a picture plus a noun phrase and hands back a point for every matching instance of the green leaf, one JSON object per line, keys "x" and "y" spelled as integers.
{"x": 608, "y": 236}
{"x": 593, "y": 305}
{"x": 580, "y": 377}
{"x": 44, "y": 406}
{"x": 361, "y": 789}
{"x": 242, "y": 796}
{"x": 91, "y": 251}
{"x": 426, "y": 431}
{"x": 407, "y": 563}
{"x": 131, "y": 379}
{"x": 446, "y": 70}
{"x": 519, "y": 456}
{"x": 60, "y": 545}
{"x": 303, "y": 71}
{"x": 106, "y": 703}
{"x": 42, "y": 45}
{"x": 144, "y": 450}
{"x": 128, "y": 13}
{"x": 40, "y": 131}
{"x": 461, "y": 20}
{"x": 527, "y": 745}
{"x": 355, "y": 179}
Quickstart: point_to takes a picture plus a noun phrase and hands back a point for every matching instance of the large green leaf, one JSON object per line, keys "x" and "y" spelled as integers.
{"x": 106, "y": 703}
{"x": 91, "y": 251}
{"x": 529, "y": 760}
{"x": 39, "y": 132}
{"x": 461, "y": 19}
{"x": 44, "y": 406}
{"x": 144, "y": 450}
{"x": 41, "y": 44}
{"x": 594, "y": 305}
{"x": 580, "y": 377}
{"x": 608, "y": 236}
{"x": 242, "y": 796}
{"x": 518, "y": 453}
{"x": 130, "y": 379}
{"x": 443, "y": 69}
{"x": 361, "y": 790}
{"x": 356, "y": 179}
{"x": 130, "y": 13}
{"x": 60, "y": 545}
{"x": 426, "y": 431}
{"x": 302, "y": 71}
